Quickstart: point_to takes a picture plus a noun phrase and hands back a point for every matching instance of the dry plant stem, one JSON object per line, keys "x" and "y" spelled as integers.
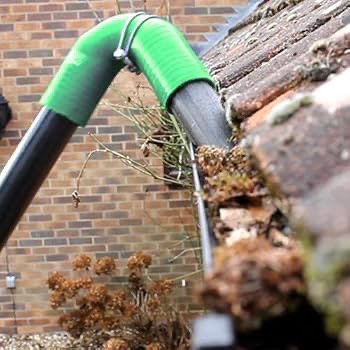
{"x": 137, "y": 121}
{"x": 172, "y": 246}
{"x": 182, "y": 253}
{"x": 118, "y": 9}
{"x": 148, "y": 121}
{"x": 197, "y": 228}
{"x": 90, "y": 155}
{"x": 168, "y": 10}
{"x": 180, "y": 133}
{"x": 186, "y": 275}
{"x": 134, "y": 164}
{"x": 97, "y": 17}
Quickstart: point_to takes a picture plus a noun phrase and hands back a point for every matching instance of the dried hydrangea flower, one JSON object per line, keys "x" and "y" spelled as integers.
{"x": 117, "y": 300}
{"x": 83, "y": 303}
{"x": 57, "y": 299}
{"x": 139, "y": 260}
{"x": 69, "y": 288}
{"x": 135, "y": 280}
{"x": 130, "y": 310}
{"x": 93, "y": 317}
{"x": 153, "y": 346}
{"x": 153, "y": 304}
{"x": 55, "y": 280}
{"x": 81, "y": 263}
{"x": 97, "y": 293}
{"x": 115, "y": 344}
{"x": 83, "y": 283}
{"x": 72, "y": 322}
{"x": 110, "y": 322}
{"x": 161, "y": 287}
{"x": 105, "y": 265}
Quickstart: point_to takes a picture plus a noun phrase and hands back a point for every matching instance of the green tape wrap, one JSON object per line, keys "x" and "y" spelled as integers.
{"x": 159, "y": 50}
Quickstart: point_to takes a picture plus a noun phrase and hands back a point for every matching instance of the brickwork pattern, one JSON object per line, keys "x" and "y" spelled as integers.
{"x": 121, "y": 211}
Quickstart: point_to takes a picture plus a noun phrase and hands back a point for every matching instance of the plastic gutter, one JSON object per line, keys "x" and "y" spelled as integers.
{"x": 242, "y": 12}
{"x": 213, "y": 330}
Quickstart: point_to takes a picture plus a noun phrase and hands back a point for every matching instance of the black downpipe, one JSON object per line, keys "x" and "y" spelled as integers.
{"x": 29, "y": 166}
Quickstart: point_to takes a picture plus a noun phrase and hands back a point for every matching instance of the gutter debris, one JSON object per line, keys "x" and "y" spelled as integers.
{"x": 278, "y": 264}
{"x": 258, "y": 273}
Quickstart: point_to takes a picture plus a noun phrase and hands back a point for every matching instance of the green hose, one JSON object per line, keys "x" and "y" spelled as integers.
{"x": 159, "y": 50}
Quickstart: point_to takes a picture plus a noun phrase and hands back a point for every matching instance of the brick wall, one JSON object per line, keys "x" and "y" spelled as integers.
{"x": 121, "y": 211}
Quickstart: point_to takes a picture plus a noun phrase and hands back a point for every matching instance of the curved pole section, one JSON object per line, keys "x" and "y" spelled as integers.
{"x": 158, "y": 50}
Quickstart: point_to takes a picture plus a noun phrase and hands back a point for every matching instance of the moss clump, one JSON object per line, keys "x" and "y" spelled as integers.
{"x": 328, "y": 264}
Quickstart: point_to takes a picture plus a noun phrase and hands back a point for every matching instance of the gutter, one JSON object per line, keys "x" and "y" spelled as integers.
{"x": 241, "y": 14}
{"x": 214, "y": 330}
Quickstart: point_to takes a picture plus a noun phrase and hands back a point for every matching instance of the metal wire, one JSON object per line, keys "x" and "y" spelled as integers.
{"x": 133, "y": 33}
{"x": 12, "y": 292}
{"x": 125, "y": 29}
{"x": 122, "y": 53}
{"x": 204, "y": 230}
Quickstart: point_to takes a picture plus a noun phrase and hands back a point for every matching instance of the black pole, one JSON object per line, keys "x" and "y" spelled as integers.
{"x": 29, "y": 165}
{"x": 198, "y": 107}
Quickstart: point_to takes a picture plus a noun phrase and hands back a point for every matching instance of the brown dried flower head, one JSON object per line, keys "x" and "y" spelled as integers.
{"x": 110, "y": 322}
{"x": 82, "y": 283}
{"x": 117, "y": 300}
{"x": 57, "y": 299}
{"x": 162, "y": 287}
{"x": 69, "y": 288}
{"x": 55, "y": 280}
{"x": 115, "y": 344}
{"x": 153, "y": 304}
{"x": 98, "y": 311}
{"x": 135, "y": 280}
{"x": 130, "y": 310}
{"x": 83, "y": 303}
{"x": 71, "y": 322}
{"x": 153, "y": 346}
{"x": 93, "y": 317}
{"x": 81, "y": 263}
{"x": 138, "y": 261}
{"x": 105, "y": 265}
{"x": 97, "y": 293}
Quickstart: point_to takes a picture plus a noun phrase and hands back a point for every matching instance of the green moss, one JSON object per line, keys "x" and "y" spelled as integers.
{"x": 326, "y": 265}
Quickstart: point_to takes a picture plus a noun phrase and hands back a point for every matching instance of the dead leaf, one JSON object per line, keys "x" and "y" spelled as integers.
{"x": 236, "y": 218}
{"x": 239, "y": 234}
{"x": 263, "y": 213}
{"x": 278, "y": 238}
